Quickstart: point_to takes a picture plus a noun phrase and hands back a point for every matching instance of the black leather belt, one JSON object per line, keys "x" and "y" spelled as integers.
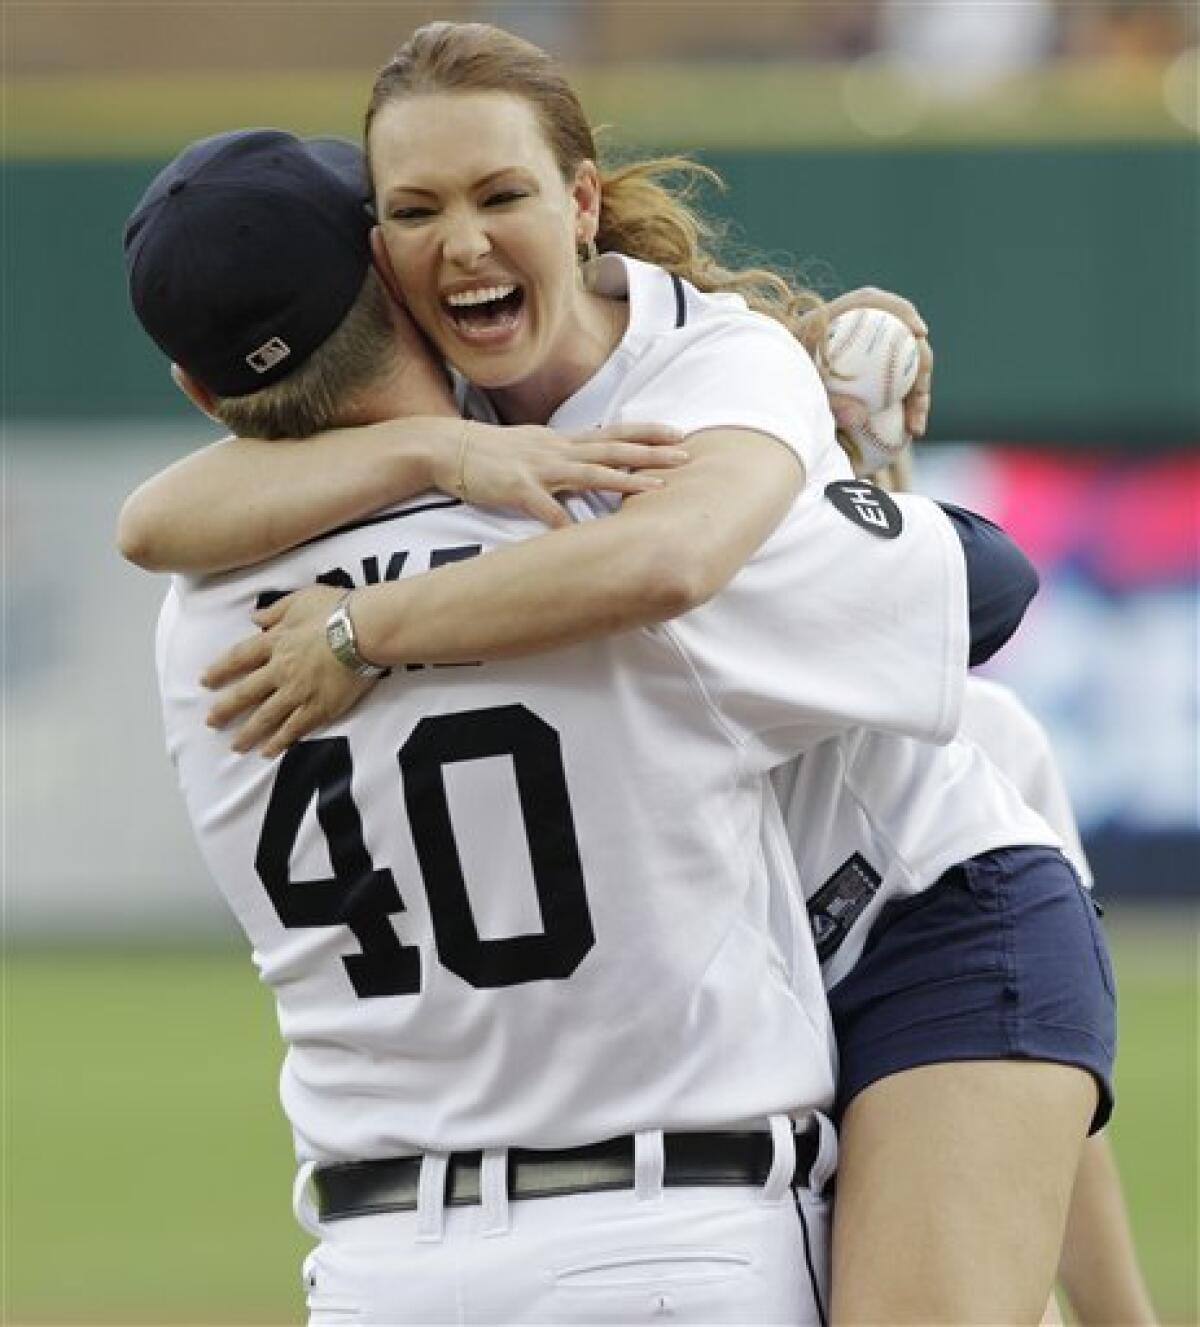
{"x": 361, "y": 1188}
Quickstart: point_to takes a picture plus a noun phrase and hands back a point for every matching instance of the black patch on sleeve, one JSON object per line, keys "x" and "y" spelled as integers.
{"x": 867, "y": 506}
{"x": 840, "y": 902}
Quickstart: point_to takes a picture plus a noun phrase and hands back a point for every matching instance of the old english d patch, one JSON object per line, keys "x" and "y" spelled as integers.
{"x": 866, "y": 505}
{"x": 839, "y": 903}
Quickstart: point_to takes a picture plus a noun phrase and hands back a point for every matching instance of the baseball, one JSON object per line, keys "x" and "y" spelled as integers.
{"x": 880, "y": 439}
{"x": 871, "y": 356}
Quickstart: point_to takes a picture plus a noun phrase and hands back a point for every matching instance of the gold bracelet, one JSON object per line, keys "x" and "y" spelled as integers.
{"x": 460, "y": 483}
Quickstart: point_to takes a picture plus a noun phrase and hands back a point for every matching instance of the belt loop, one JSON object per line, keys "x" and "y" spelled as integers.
{"x": 825, "y": 1166}
{"x": 431, "y": 1197}
{"x": 302, "y": 1203}
{"x": 493, "y": 1191}
{"x": 649, "y": 1163}
{"x": 783, "y": 1161}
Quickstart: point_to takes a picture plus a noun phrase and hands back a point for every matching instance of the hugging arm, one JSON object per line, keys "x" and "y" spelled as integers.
{"x": 242, "y": 500}
{"x": 661, "y": 554}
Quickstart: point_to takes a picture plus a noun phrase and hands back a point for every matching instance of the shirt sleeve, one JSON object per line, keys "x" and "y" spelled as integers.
{"x": 1001, "y": 582}
{"x": 745, "y": 372}
{"x": 833, "y": 625}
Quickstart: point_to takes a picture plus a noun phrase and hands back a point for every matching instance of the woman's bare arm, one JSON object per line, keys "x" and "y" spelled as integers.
{"x": 663, "y": 553}
{"x": 243, "y": 500}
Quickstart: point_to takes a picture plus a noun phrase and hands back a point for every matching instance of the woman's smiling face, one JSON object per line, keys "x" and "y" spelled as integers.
{"x": 482, "y": 231}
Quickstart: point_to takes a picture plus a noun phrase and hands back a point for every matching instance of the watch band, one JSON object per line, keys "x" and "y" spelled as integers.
{"x": 339, "y": 632}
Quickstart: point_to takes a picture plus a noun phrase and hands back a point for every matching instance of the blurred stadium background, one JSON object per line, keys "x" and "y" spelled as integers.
{"x": 1028, "y": 173}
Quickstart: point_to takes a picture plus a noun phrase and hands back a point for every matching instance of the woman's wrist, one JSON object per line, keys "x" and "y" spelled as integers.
{"x": 376, "y": 611}
{"x": 407, "y": 454}
{"x": 447, "y": 454}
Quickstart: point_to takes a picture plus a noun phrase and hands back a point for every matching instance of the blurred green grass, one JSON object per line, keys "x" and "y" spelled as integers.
{"x": 149, "y": 1165}
{"x": 147, "y": 1168}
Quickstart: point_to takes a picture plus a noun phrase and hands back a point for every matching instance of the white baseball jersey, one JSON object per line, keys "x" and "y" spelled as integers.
{"x": 547, "y": 901}
{"x": 872, "y": 816}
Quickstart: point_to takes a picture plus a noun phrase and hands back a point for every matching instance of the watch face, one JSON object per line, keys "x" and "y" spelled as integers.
{"x": 339, "y": 634}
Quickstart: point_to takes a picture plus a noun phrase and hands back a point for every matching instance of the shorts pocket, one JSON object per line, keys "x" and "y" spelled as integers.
{"x": 1092, "y": 910}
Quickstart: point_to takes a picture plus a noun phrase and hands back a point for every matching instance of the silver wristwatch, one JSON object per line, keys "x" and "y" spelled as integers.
{"x": 339, "y": 632}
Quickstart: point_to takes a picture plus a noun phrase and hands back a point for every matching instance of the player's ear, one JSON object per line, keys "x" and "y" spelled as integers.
{"x": 196, "y": 392}
{"x": 383, "y": 265}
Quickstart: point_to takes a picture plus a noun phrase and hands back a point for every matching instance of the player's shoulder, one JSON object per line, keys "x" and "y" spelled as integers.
{"x": 665, "y": 306}
{"x": 721, "y": 350}
{"x": 716, "y": 317}
{"x": 421, "y": 534}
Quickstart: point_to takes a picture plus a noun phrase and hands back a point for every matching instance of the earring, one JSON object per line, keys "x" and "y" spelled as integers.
{"x": 586, "y": 251}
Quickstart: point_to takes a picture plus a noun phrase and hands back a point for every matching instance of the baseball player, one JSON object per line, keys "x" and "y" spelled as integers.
{"x": 480, "y": 1004}
{"x": 877, "y": 822}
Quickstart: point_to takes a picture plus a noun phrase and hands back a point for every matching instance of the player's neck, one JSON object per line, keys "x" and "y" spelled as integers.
{"x": 413, "y": 388}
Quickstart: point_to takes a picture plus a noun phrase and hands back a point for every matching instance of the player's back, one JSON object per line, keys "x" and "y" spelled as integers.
{"x": 520, "y": 903}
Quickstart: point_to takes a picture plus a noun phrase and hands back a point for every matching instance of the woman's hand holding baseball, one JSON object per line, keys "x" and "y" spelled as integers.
{"x": 847, "y": 411}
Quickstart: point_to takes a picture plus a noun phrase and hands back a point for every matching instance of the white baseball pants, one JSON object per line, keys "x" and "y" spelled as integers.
{"x": 645, "y": 1255}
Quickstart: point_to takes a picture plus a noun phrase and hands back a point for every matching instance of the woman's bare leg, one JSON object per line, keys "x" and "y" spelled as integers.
{"x": 952, "y": 1193}
{"x": 1099, "y": 1268}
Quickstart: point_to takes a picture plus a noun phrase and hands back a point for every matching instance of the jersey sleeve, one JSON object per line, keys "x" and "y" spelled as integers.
{"x": 744, "y": 372}
{"x": 833, "y": 625}
{"x": 1001, "y": 581}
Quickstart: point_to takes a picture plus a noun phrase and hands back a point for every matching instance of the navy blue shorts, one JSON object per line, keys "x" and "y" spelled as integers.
{"x": 1002, "y": 958}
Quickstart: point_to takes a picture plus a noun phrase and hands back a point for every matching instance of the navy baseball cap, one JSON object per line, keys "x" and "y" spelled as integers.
{"x": 247, "y": 251}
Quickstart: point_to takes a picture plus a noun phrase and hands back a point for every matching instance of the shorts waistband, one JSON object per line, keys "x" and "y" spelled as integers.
{"x": 362, "y": 1188}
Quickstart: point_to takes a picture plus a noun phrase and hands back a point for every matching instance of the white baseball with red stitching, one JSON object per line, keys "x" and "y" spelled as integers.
{"x": 871, "y": 356}
{"x": 880, "y": 439}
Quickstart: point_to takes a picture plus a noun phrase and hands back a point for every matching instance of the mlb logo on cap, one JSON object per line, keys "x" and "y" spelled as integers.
{"x": 269, "y": 354}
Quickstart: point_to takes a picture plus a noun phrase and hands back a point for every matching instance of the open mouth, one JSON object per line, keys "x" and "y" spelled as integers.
{"x": 485, "y": 313}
